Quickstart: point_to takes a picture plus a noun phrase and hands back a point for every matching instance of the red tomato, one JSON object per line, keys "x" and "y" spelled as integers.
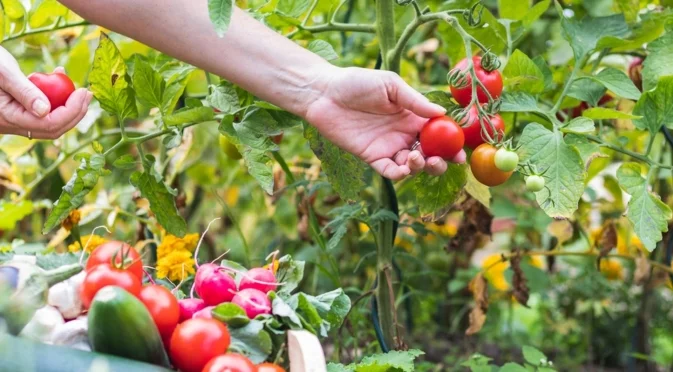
{"x": 442, "y": 137}
{"x": 163, "y": 307}
{"x": 105, "y": 275}
{"x": 230, "y": 363}
{"x": 196, "y": 341}
{"x": 482, "y": 163}
{"x": 277, "y": 138}
{"x": 472, "y": 128}
{"x": 57, "y": 87}
{"x": 104, "y": 253}
{"x": 269, "y": 367}
{"x": 492, "y": 80}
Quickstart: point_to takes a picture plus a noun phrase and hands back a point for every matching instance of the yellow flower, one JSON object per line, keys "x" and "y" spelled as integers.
{"x": 231, "y": 195}
{"x": 612, "y": 269}
{"x": 72, "y": 220}
{"x": 496, "y": 271}
{"x": 634, "y": 245}
{"x": 175, "y": 264}
{"x": 91, "y": 242}
{"x": 364, "y": 228}
{"x": 172, "y": 243}
{"x": 5, "y": 248}
{"x": 275, "y": 266}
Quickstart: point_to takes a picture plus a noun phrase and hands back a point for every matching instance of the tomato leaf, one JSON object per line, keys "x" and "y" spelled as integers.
{"x": 512, "y": 367}
{"x": 290, "y": 272}
{"x": 220, "y": 12}
{"x": 11, "y": 213}
{"x": 586, "y": 90}
{"x": 513, "y": 9}
{"x": 224, "y": 98}
{"x": 339, "y": 224}
{"x": 600, "y": 113}
{"x": 189, "y": 115}
{"x": 617, "y": 82}
{"x": 563, "y": 167}
{"x": 292, "y": 8}
{"x": 584, "y": 35}
{"x": 436, "y": 192}
{"x": 176, "y": 76}
{"x": 13, "y": 9}
{"x": 647, "y": 213}
{"x": 231, "y": 314}
{"x": 323, "y": 49}
{"x": 533, "y": 356}
{"x": 109, "y": 81}
{"x": 580, "y": 124}
{"x": 148, "y": 83}
{"x": 394, "y": 360}
{"x": 252, "y": 341}
{"x": 656, "y": 107}
{"x": 518, "y": 102}
{"x": 44, "y": 11}
{"x": 478, "y": 190}
{"x": 125, "y": 162}
{"x": 535, "y": 13}
{"x": 345, "y": 172}
{"x": 658, "y": 62}
{"x": 522, "y": 74}
{"x": 545, "y": 70}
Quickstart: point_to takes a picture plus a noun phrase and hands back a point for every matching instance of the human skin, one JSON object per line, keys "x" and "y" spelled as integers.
{"x": 373, "y": 114}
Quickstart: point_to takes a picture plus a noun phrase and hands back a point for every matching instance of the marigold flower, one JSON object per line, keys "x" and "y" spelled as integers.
{"x": 91, "y": 242}
{"x": 612, "y": 269}
{"x": 175, "y": 264}
{"x": 172, "y": 243}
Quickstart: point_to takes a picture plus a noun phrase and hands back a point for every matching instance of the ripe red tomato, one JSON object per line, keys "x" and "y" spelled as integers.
{"x": 57, "y": 87}
{"x": 482, "y": 163}
{"x": 104, "y": 275}
{"x": 277, "y": 138}
{"x": 104, "y": 253}
{"x": 636, "y": 73}
{"x": 196, "y": 341}
{"x": 269, "y": 367}
{"x": 472, "y": 128}
{"x": 163, "y": 307}
{"x": 230, "y": 363}
{"x": 442, "y": 137}
{"x": 492, "y": 80}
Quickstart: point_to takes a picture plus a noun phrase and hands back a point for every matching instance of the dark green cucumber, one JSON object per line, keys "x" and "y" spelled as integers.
{"x": 119, "y": 324}
{"x": 21, "y": 355}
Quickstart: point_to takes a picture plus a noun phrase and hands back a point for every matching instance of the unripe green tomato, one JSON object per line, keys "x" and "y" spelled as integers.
{"x": 506, "y": 160}
{"x": 534, "y": 183}
{"x": 229, "y": 148}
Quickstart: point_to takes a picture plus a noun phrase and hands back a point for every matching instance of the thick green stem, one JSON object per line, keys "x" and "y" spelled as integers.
{"x": 385, "y": 30}
{"x": 62, "y": 273}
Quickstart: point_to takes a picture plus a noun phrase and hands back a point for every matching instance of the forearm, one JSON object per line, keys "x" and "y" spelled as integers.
{"x": 249, "y": 55}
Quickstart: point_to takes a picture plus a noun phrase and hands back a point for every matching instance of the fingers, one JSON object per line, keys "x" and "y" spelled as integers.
{"x": 435, "y": 166}
{"x": 17, "y": 85}
{"x": 56, "y": 120}
{"x": 407, "y": 97}
{"x": 460, "y": 157}
{"x": 389, "y": 169}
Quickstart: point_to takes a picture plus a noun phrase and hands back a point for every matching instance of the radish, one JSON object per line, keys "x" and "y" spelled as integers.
{"x": 189, "y": 306}
{"x": 253, "y": 301}
{"x": 206, "y": 313}
{"x": 260, "y": 279}
{"x": 214, "y": 285}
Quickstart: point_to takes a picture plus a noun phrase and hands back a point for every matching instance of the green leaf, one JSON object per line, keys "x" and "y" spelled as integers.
{"x": 336, "y": 367}
{"x": 477, "y": 189}
{"x": 13, "y": 9}
{"x": 11, "y": 213}
{"x": 546, "y": 71}
{"x": 442, "y": 98}
{"x": 513, "y": 9}
{"x": 402, "y": 361}
{"x": 533, "y": 355}
{"x": 224, "y": 98}
{"x": 280, "y": 308}
{"x": 291, "y": 273}
{"x": 656, "y": 107}
{"x": 176, "y": 76}
{"x": 292, "y": 8}
{"x": 345, "y": 172}
{"x": 2, "y": 24}
{"x": 563, "y": 166}
{"x": 658, "y": 62}
{"x": 44, "y": 11}
{"x": 512, "y": 367}
{"x": 331, "y": 306}
{"x": 629, "y": 8}
{"x": 252, "y": 341}
{"x": 535, "y": 13}
{"x": 584, "y": 35}
{"x": 109, "y": 81}
{"x": 339, "y": 224}
{"x": 313, "y": 322}
{"x": 259, "y": 167}
{"x": 161, "y": 198}
{"x": 436, "y": 192}
{"x": 617, "y": 82}
{"x": 55, "y": 260}
{"x": 148, "y": 83}
{"x": 588, "y": 150}
{"x": 522, "y": 74}
{"x": 586, "y": 90}
{"x": 125, "y": 162}
{"x": 79, "y": 61}
{"x": 189, "y": 115}
{"x": 645, "y": 210}
{"x": 231, "y": 314}
{"x": 600, "y": 113}
{"x": 580, "y": 124}
{"x": 518, "y": 102}
{"x": 323, "y": 49}
{"x": 220, "y": 12}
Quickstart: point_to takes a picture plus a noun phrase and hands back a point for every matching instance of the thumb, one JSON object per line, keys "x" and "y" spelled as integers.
{"x": 410, "y": 99}
{"x": 26, "y": 93}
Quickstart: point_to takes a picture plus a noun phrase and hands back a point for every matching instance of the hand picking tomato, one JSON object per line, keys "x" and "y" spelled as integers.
{"x": 197, "y": 341}
{"x": 492, "y": 80}
{"x": 230, "y": 363}
{"x": 104, "y": 275}
{"x": 163, "y": 307}
{"x": 269, "y": 367}
{"x": 57, "y": 87}
{"x": 442, "y": 137}
{"x": 104, "y": 253}
{"x": 506, "y": 160}
{"x": 482, "y": 163}
{"x": 472, "y": 128}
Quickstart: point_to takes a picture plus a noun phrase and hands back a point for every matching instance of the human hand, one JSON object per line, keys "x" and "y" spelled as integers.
{"x": 25, "y": 110}
{"x": 376, "y": 116}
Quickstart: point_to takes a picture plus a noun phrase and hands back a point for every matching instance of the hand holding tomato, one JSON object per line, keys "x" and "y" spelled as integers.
{"x": 25, "y": 110}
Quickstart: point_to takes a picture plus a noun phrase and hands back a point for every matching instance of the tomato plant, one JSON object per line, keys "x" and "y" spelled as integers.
{"x": 56, "y": 86}
{"x": 441, "y": 137}
{"x": 534, "y": 183}
{"x": 104, "y": 275}
{"x": 195, "y": 342}
{"x": 473, "y": 128}
{"x": 506, "y": 160}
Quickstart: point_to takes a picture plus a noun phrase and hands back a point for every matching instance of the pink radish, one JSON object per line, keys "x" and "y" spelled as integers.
{"x": 189, "y": 306}
{"x": 260, "y": 279}
{"x": 206, "y": 312}
{"x": 214, "y": 285}
{"x": 253, "y": 301}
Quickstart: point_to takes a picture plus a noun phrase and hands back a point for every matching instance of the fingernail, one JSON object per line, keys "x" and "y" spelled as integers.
{"x": 432, "y": 163}
{"x": 87, "y": 100}
{"x": 413, "y": 156}
{"x": 440, "y": 108}
{"x": 40, "y": 107}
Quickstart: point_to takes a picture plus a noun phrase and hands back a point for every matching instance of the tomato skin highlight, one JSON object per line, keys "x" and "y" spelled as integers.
{"x": 472, "y": 128}
{"x": 104, "y": 253}
{"x": 269, "y": 367}
{"x": 230, "y": 362}
{"x": 492, "y": 80}
{"x": 104, "y": 275}
{"x": 56, "y": 86}
{"x": 442, "y": 137}
{"x": 482, "y": 163}
{"x": 197, "y": 341}
{"x": 163, "y": 307}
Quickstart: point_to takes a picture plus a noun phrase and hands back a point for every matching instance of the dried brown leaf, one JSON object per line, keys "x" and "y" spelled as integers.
{"x": 479, "y": 288}
{"x": 519, "y": 282}
{"x": 607, "y": 241}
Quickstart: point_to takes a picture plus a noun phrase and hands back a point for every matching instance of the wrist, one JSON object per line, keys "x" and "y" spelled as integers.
{"x": 306, "y": 86}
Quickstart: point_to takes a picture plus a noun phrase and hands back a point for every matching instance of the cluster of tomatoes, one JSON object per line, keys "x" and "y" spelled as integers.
{"x": 492, "y": 161}
{"x": 196, "y": 342}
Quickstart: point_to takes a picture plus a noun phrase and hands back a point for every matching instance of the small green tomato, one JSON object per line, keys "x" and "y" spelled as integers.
{"x": 506, "y": 160}
{"x": 534, "y": 183}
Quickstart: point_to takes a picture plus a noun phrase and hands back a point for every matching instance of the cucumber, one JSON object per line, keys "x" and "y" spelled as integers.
{"x": 121, "y": 325}
{"x": 18, "y": 354}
